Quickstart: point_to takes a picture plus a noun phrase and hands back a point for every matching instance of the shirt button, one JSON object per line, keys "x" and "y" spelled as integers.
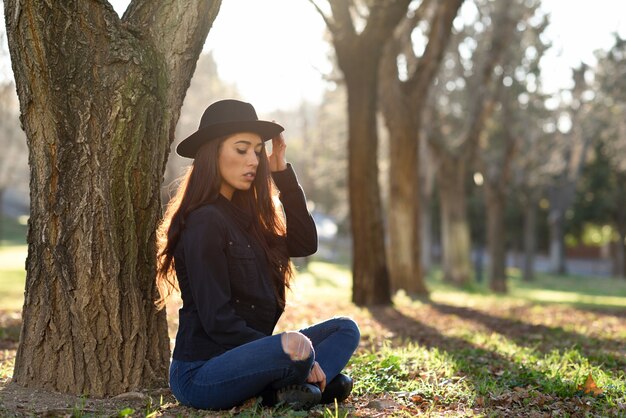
{"x": 237, "y": 300}
{"x": 248, "y": 245}
{"x": 252, "y": 306}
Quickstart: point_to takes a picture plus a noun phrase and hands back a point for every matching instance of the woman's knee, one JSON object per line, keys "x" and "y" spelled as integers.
{"x": 348, "y": 325}
{"x": 296, "y": 345}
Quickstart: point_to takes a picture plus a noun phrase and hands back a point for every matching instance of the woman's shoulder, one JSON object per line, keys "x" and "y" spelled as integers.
{"x": 206, "y": 214}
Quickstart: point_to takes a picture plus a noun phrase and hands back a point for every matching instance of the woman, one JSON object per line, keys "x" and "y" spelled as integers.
{"x": 224, "y": 245}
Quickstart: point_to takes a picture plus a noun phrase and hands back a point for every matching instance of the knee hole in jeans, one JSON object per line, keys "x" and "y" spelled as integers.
{"x": 296, "y": 345}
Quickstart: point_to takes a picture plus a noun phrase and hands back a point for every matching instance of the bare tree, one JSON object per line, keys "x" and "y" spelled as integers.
{"x": 100, "y": 96}
{"x": 403, "y": 102}
{"x": 461, "y": 110}
{"x": 359, "y": 53}
{"x": 504, "y": 132}
{"x": 567, "y": 162}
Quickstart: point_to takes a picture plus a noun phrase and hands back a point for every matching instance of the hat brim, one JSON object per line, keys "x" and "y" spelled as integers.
{"x": 189, "y": 146}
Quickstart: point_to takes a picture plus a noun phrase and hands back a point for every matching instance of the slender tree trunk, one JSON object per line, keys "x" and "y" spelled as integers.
{"x": 1, "y": 214}
{"x": 496, "y": 240}
{"x": 426, "y": 230}
{"x": 620, "y": 261}
{"x": 620, "y": 255}
{"x": 530, "y": 239}
{"x": 556, "y": 225}
{"x": 455, "y": 231}
{"x": 100, "y": 98}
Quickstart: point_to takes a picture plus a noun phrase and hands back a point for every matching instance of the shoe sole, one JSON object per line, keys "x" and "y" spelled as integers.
{"x": 298, "y": 397}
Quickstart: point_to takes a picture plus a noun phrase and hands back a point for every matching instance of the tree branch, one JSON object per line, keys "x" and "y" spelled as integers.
{"x": 329, "y": 23}
{"x": 177, "y": 30}
{"x": 441, "y": 28}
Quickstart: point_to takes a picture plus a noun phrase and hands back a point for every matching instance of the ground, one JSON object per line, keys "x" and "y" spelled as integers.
{"x": 456, "y": 353}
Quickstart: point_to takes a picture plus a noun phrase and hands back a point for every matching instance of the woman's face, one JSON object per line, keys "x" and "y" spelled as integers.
{"x": 238, "y": 161}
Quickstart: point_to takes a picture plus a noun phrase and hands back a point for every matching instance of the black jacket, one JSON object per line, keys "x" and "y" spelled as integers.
{"x": 223, "y": 273}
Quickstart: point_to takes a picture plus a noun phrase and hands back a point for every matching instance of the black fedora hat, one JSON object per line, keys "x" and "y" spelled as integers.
{"x": 226, "y": 117}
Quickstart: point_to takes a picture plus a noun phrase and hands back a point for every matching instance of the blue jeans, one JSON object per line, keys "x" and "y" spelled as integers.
{"x": 245, "y": 371}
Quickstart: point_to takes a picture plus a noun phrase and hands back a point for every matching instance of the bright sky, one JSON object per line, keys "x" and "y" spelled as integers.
{"x": 274, "y": 50}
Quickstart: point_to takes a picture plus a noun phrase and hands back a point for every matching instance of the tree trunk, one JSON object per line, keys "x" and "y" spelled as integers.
{"x": 100, "y": 97}
{"x": 426, "y": 230}
{"x": 404, "y": 212}
{"x": 556, "y": 221}
{"x": 455, "y": 231}
{"x": 620, "y": 261}
{"x": 369, "y": 262}
{"x": 496, "y": 240}
{"x": 1, "y": 214}
{"x": 530, "y": 239}
{"x": 358, "y": 55}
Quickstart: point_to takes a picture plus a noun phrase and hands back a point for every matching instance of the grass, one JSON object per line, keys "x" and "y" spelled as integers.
{"x": 457, "y": 353}
{"x": 12, "y": 231}
{"x": 12, "y": 277}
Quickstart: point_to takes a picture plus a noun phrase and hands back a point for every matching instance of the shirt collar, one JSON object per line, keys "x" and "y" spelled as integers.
{"x": 241, "y": 217}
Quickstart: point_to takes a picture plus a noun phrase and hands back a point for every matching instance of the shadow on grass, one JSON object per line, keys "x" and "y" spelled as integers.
{"x": 12, "y": 232}
{"x": 10, "y": 326}
{"x": 486, "y": 370}
{"x": 543, "y": 338}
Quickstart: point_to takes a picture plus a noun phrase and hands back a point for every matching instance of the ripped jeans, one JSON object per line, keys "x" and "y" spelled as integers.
{"x": 244, "y": 372}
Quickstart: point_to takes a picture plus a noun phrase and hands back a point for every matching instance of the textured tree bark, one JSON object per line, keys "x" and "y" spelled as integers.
{"x": 455, "y": 231}
{"x": 358, "y": 55}
{"x": 402, "y": 104}
{"x": 100, "y": 97}
{"x": 496, "y": 237}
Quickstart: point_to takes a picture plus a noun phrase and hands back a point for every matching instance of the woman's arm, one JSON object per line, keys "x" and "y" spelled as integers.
{"x": 301, "y": 231}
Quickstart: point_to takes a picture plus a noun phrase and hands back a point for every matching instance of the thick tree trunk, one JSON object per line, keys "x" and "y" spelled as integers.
{"x": 496, "y": 240}
{"x": 455, "y": 231}
{"x": 530, "y": 240}
{"x": 100, "y": 98}
{"x": 369, "y": 262}
{"x": 404, "y": 212}
{"x": 403, "y": 104}
{"x": 358, "y": 55}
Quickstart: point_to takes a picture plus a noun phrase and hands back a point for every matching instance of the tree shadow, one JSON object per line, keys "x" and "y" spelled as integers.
{"x": 608, "y": 311}
{"x": 599, "y": 351}
{"x": 10, "y": 328}
{"x": 478, "y": 365}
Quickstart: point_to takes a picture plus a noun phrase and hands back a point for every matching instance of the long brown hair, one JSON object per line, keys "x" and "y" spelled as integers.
{"x": 199, "y": 186}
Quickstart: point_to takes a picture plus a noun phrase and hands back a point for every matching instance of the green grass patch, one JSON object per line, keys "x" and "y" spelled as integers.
{"x": 578, "y": 291}
{"x": 13, "y": 231}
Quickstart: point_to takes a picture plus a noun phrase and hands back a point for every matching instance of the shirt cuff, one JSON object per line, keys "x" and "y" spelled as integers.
{"x": 286, "y": 179}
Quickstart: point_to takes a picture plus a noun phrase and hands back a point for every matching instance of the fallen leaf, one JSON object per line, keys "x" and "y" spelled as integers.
{"x": 590, "y": 387}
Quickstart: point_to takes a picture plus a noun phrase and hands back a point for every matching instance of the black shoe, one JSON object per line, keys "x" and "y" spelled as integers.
{"x": 302, "y": 396}
{"x": 339, "y": 388}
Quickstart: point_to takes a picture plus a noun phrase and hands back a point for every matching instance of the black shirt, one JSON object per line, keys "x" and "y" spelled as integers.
{"x": 224, "y": 277}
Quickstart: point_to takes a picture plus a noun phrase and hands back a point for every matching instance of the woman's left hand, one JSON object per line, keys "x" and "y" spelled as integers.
{"x": 317, "y": 376}
{"x": 277, "y": 159}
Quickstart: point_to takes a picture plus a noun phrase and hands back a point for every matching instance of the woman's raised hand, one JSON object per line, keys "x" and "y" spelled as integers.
{"x": 277, "y": 159}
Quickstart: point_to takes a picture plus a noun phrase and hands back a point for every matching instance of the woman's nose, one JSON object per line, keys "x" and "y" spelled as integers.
{"x": 253, "y": 159}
